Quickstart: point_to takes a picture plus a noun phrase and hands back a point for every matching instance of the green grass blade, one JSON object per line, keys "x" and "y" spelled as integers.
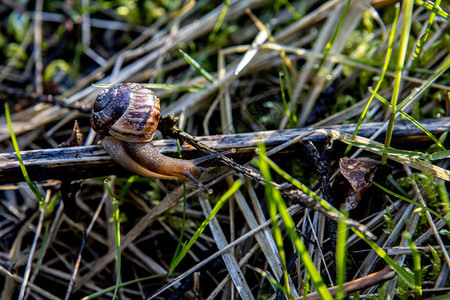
{"x": 219, "y": 22}
{"x": 406, "y": 27}
{"x": 442, "y": 69}
{"x": 419, "y": 45}
{"x": 444, "y": 197}
{"x": 275, "y": 284}
{"x": 336, "y": 31}
{"x": 410, "y": 201}
{"x": 292, "y": 122}
{"x": 384, "y": 150}
{"x": 424, "y": 38}
{"x": 183, "y": 223}
{"x": 411, "y": 119}
{"x": 306, "y": 287}
{"x": 116, "y": 215}
{"x": 416, "y": 263}
{"x": 440, "y": 155}
{"x": 383, "y": 72}
{"x": 273, "y": 199}
{"x": 183, "y": 220}
{"x": 237, "y": 184}
{"x": 382, "y": 254}
{"x": 126, "y": 187}
{"x": 299, "y": 185}
{"x": 31, "y": 185}
{"x": 341, "y": 257}
{"x": 428, "y": 133}
{"x": 434, "y": 8}
{"x": 42, "y": 250}
{"x": 197, "y": 66}
{"x": 289, "y": 224}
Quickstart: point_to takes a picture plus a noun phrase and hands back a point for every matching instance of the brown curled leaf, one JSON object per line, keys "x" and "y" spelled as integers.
{"x": 357, "y": 174}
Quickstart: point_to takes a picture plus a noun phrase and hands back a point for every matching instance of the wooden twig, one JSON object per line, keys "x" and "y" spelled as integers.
{"x": 357, "y": 284}
{"x": 92, "y": 161}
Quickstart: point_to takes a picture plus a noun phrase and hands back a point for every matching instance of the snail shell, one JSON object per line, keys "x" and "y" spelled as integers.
{"x": 128, "y": 111}
{"x": 128, "y": 115}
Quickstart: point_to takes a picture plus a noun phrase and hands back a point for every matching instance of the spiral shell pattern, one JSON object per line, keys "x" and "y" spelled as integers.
{"x": 128, "y": 111}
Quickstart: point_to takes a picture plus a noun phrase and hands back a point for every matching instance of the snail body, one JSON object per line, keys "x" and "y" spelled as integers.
{"x": 143, "y": 159}
{"x": 127, "y": 115}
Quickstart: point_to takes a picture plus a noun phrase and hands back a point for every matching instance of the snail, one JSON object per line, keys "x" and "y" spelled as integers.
{"x": 127, "y": 114}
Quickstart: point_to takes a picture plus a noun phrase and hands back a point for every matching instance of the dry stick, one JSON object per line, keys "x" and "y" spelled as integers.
{"x": 358, "y": 284}
{"x": 73, "y": 278}
{"x": 342, "y": 59}
{"x": 144, "y": 223}
{"x": 27, "y": 272}
{"x": 38, "y": 290}
{"x": 148, "y": 219}
{"x": 37, "y": 47}
{"x": 400, "y": 250}
{"x": 51, "y": 235}
{"x": 54, "y": 100}
{"x": 76, "y": 268}
{"x": 430, "y": 220}
{"x": 169, "y": 201}
{"x": 262, "y": 238}
{"x": 294, "y": 194}
{"x": 219, "y": 143}
{"x": 228, "y": 257}
{"x": 92, "y": 161}
{"x": 291, "y": 210}
{"x": 221, "y": 285}
{"x": 411, "y": 227}
{"x": 82, "y": 161}
{"x": 168, "y": 43}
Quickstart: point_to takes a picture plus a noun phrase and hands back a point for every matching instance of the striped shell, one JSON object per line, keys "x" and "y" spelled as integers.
{"x": 127, "y": 111}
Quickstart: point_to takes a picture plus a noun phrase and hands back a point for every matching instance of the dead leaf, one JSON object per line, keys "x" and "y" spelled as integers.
{"x": 357, "y": 174}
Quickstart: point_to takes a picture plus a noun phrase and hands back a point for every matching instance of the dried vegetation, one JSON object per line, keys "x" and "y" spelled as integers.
{"x": 261, "y": 65}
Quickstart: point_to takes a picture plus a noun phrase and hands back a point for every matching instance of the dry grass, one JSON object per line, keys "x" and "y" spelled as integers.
{"x": 69, "y": 250}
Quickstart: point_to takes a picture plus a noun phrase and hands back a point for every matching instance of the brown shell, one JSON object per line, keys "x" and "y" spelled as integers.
{"x": 127, "y": 111}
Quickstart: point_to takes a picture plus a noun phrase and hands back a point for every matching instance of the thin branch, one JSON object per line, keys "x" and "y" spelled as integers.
{"x": 92, "y": 161}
